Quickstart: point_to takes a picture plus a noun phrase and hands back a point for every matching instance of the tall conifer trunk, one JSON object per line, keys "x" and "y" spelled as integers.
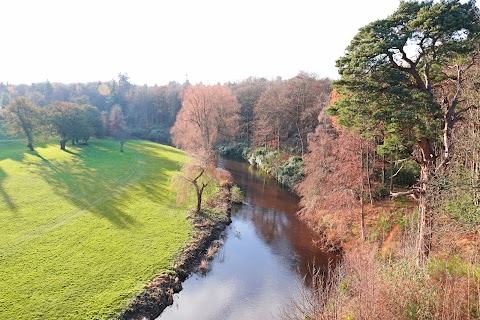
{"x": 425, "y": 219}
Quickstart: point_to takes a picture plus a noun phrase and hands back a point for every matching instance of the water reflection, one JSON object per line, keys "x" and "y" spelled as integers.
{"x": 274, "y": 217}
{"x": 266, "y": 254}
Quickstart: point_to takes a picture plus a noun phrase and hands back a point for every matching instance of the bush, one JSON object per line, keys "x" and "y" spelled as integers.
{"x": 236, "y": 195}
{"x": 288, "y": 172}
{"x": 265, "y": 159}
{"x": 236, "y": 150}
{"x": 463, "y": 209}
{"x": 409, "y": 174}
{"x": 255, "y": 157}
{"x": 291, "y": 172}
{"x": 137, "y": 133}
{"x": 159, "y": 135}
{"x": 380, "y": 192}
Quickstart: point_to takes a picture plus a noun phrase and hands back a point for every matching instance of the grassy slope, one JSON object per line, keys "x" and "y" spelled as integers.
{"x": 82, "y": 232}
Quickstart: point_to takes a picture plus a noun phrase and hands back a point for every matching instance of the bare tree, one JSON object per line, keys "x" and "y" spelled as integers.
{"x": 199, "y": 173}
{"x": 209, "y": 115}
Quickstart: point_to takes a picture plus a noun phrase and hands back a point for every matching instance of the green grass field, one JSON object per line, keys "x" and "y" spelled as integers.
{"x": 81, "y": 232}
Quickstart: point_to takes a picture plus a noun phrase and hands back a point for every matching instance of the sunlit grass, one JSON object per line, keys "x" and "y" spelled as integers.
{"x": 82, "y": 231}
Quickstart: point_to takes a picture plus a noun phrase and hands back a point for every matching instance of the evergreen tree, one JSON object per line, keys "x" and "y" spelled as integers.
{"x": 402, "y": 78}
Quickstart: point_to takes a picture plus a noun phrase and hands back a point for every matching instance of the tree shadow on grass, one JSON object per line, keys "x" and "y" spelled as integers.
{"x": 117, "y": 216}
{"x": 160, "y": 155}
{"x": 12, "y": 150}
{"x": 4, "y": 195}
{"x": 46, "y": 161}
{"x": 97, "y": 178}
{"x": 70, "y": 151}
{"x": 81, "y": 182}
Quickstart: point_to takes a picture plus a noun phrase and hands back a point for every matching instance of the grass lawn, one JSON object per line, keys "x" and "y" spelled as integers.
{"x": 81, "y": 232}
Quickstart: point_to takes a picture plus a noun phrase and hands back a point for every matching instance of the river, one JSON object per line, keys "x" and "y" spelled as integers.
{"x": 267, "y": 252}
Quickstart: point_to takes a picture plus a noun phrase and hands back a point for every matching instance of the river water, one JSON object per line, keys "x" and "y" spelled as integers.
{"x": 267, "y": 252}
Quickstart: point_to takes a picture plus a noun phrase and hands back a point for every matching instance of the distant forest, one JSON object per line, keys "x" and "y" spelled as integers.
{"x": 150, "y": 111}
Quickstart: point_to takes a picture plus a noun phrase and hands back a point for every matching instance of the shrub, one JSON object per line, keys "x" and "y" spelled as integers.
{"x": 265, "y": 159}
{"x": 409, "y": 174}
{"x": 380, "y": 192}
{"x": 159, "y": 135}
{"x": 137, "y": 133}
{"x": 463, "y": 209}
{"x": 255, "y": 157}
{"x": 236, "y": 150}
{"x": 288, "y": 172}
{"x": 291, "y": 172}
{"x": 236, "y": 195}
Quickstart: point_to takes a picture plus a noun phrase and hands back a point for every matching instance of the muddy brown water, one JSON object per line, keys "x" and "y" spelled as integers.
{"x": 267, "y": 253}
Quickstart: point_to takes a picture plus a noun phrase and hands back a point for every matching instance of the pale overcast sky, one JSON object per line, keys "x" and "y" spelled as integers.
{"x": 158, "y": 41}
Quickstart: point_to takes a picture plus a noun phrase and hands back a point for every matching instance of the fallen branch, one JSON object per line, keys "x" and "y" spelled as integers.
{"x": 412, "y": 193}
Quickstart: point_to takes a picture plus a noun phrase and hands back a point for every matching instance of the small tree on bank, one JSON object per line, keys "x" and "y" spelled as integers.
{"x": 193, "y": 174}
{"x": 199, "y": 174}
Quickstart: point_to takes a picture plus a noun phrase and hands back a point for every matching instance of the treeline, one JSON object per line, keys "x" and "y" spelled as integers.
{"x": 276, "y": 114}
{"x": 65, "y": 120}
{"x": 280, "y": 114}
{"x": 265, "y": 122}
{"x": 254, "y": 117}
{"x": 149, "y": 111}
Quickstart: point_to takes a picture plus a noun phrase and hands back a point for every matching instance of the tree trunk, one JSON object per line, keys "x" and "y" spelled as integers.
{"x": 30, "y": 146}
{"x": 362, "y": 215}
{"x": 199, "y": 201}
{"x": 369, "y": 183}
{"x": 199, "y": 190}
{"x": 300, "y": 137}
{"x": 121, "y": 145}
{"x": 391, "y": 173}
{"x": 425, "y": 219}
{"x": 424, "y": 241}
{"x": 62, "y": 144}
{"x": 383, "y": 168}
{"x": 278, "y": 141}
{"x": 362, "y": 205}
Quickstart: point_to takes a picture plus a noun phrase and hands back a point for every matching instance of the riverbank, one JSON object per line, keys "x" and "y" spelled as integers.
{"x": 206, "y": 238}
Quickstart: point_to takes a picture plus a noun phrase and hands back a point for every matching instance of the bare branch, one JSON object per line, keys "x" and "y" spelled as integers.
{"x": 403, "y": 160}
{"x": 398, "y": 171}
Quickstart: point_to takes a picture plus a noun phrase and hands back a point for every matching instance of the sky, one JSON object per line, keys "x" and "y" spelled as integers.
{"x": 155, "y": 42}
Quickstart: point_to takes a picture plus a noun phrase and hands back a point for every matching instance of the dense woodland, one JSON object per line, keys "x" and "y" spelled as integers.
{"x": 385, "y": 159}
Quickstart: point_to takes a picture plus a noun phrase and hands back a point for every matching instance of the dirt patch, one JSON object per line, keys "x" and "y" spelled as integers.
{"x": 209, "y": 227}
